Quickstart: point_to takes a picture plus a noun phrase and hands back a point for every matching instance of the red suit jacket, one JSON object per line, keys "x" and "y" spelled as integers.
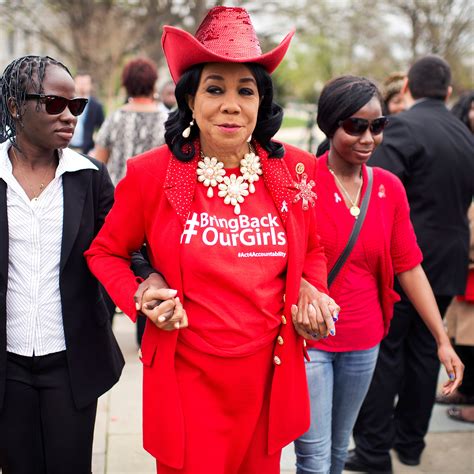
{"x": 151, "y": 205}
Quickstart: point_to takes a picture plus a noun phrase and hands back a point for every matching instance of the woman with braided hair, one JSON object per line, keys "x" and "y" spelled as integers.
{"x": 57, "y": 350}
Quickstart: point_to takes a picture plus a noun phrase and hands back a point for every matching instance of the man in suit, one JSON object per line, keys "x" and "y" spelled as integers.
{"x": 432, "y": 153}
{"x": 90, "y": 120}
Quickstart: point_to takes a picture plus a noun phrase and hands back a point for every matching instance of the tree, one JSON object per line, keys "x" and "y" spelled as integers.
{"x": 371, "y": 38}
{"x": 365, "y": 37}
{"x": 335, "y": 38}
{"x": 98, "y": 35}
{"x": 443, "y": 27}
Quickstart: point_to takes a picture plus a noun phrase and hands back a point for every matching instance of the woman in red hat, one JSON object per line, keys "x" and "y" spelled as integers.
{"x": 228, "y": 216}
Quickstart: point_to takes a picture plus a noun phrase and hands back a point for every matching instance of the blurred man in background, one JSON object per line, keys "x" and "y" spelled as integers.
{"x": 167, "y": 99}
{"x": 90, "y": 120}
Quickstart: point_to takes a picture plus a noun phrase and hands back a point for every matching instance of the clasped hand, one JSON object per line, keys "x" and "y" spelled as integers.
{"x": 160, "y": 304}
{"x": 316, "y": 313}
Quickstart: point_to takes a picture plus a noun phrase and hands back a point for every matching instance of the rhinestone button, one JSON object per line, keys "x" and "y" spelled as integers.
{"x": 277, "y": 360}
{"x": 280, "y": 340}
{"x": 283, "y": 319}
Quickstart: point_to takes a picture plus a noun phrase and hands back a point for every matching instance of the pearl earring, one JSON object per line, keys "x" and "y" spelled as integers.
{"x": 249, "y": 139}
{"x": 187, "y": 131}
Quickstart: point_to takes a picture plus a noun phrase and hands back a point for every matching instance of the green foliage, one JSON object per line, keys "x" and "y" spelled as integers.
{"x": 372, "y": 39}
{"x": 292, "y": 122}
{"x": 310, "y": 64}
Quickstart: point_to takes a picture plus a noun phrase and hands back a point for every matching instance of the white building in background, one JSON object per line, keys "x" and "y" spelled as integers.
{"x": 16, "y": 41}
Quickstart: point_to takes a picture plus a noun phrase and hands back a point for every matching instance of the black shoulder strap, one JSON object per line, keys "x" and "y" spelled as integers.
{"x": 355, "y": 230}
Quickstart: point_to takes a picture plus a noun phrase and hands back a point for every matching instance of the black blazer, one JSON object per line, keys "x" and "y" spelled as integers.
{"x": 93, "y": 120}
{"x": 94, "y": 358}
{"x": 432, "y": 152}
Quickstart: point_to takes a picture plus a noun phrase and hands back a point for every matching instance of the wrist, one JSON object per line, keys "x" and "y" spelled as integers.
{"x": 442, "y": 339}
{"x": 158, "y": 280}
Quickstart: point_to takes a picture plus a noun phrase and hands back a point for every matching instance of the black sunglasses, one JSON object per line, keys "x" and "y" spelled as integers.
{"x": 55, "y": 104}
{"x": 357, "y": 126}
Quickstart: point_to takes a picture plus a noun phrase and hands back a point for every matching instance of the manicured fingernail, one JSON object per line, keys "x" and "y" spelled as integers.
{"x": 451, "y": 377}
{"x": 335, "y": 318}
{"x": 161, "y": 319}
{"x": 332, "y": 332}
{"x": 137, "y": 305}
{"x": 172, "y": 293}
{"x": 176, "y": 324}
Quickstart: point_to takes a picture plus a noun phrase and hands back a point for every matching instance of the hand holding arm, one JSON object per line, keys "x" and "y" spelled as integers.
{"x": 417, "y": 288}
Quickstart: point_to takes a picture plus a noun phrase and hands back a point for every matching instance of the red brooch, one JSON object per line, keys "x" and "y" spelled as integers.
{"x": 306, "y": 193}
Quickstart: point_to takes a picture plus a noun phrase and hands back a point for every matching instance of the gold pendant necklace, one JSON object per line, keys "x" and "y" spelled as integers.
{"x": 42, "y": 184}
{"x": 354, "y": 209}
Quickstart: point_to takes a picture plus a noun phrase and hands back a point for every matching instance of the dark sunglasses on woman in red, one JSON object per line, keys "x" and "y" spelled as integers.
{"x": 55, "y": 104}
{"x": 357, "y": 126}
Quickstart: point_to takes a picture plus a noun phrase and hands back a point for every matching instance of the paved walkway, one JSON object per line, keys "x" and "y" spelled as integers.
{"x": 118, "y": 442}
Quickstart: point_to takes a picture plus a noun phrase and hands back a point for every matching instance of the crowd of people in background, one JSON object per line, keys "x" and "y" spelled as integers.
{"x": 352, "y": 257}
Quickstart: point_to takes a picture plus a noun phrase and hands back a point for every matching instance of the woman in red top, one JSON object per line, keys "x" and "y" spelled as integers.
{"x": 350, "y": 114}
{"x": 228, "y": 217}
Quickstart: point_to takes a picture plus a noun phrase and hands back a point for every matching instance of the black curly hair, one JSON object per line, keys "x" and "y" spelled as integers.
{"x": 270, "y": 114}
{"x": 22, "y": 74}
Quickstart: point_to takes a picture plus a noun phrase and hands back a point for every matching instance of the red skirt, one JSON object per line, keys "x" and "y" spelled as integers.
{"x": 225, "y": 403}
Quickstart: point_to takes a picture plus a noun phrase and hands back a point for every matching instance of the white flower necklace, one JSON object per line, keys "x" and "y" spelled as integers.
{"x": 234, "y": 189}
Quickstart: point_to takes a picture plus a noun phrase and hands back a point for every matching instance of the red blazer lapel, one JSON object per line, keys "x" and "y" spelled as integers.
{"x": 180, "y": 183}
{"x": 278, "y": 180}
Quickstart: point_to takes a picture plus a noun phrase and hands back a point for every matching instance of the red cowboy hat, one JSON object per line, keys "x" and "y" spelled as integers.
{"x": 225, "y": 35}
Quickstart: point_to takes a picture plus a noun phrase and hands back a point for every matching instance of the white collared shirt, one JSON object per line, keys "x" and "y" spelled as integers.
{"x": 35, "y": 228}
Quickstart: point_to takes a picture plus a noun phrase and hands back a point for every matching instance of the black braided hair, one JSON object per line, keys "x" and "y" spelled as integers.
{"x": 22, "y": 74}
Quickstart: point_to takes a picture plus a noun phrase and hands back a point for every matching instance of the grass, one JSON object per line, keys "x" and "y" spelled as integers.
{"x": 291, "y": 122}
